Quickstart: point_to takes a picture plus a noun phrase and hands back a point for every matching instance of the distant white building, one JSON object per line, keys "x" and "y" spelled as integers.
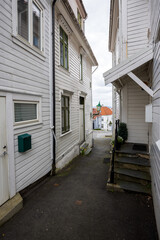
{"x": 102, "y": 119}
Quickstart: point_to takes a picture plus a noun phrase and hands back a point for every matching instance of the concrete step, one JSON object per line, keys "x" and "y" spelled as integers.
{"x": 83, "y": 148}
{"x": 122, "y": 186}
{"x": 131, "y": 175}
{"x": 88, "y": 150}
{"x": 10, "y": 208}
{"x": 134, "y": 163}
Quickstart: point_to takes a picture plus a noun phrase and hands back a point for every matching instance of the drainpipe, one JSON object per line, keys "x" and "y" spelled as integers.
{"x": 53, "y": 82}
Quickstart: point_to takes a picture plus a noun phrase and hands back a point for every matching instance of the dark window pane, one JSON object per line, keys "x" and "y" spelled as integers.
{"x": 67, "y": 102}
{"x": 61, "y": 33}
{"x": 66, "y": 57}
{"x": 81, "y": 67}
{"x": 65, "y": 39}
{"x": 25, "y": 111}
{"x": 63, "y": 121}
{"x": 61, "y": 52}
{"x": 67, "y": 120}
{"x": 65, "y": 114}
{"x": 62, "y": 101}
{"x": 63, "y": 49}
{"x": 23, "y": 18}
{"x": 36, "y": 26}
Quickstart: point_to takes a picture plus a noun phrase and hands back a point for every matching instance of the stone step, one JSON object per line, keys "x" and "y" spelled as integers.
{"x": 134, "y": 163}
{"x": 122, "y": 186}
{"x": 132, "y": 174}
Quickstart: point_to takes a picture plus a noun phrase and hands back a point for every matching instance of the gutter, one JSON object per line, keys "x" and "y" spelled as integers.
{"x": 53, "y": 86}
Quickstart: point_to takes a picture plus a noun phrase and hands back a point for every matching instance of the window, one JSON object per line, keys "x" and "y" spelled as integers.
{"x": 63, "y": 49}
{"x": 25, "y": 111}
{"x": 81, "y": 67}
{"x": 79, "y": 18}
{"x": 30, "y": 21}
{"x": 65, "y": 105}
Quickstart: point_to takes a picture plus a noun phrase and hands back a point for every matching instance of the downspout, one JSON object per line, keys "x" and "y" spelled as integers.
{"x": 53, "y": 86}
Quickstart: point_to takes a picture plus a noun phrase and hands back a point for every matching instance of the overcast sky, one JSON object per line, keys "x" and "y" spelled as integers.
{"x": 96, "y": 30}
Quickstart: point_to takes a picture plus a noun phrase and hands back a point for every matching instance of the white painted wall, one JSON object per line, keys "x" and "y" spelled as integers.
{"x": 69, "y": 81}
{"x": 25, "y": 75}
{"x": 75, "y": 7}
{"x": 155, "y": 150}
{"x": 136, "y": 100}
{"x": 132, "y": 37}
{"x": 134, "y": 29}
{"x": 138, "y": 26}
{"x": 105, "y": 119}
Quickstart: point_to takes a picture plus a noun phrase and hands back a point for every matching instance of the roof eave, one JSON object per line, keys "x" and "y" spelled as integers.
{"x": 81, "y": 33}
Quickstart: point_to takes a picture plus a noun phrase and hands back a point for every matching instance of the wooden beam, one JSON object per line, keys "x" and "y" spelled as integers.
{"x": 128, "y": 65}
{"x": 140, "y": 83}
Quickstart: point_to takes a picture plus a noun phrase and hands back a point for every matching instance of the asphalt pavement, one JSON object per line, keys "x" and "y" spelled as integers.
{"x": 75, "y": 205}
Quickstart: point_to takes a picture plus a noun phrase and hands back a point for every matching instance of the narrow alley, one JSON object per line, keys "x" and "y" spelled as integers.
{"x": 75, "y": 205}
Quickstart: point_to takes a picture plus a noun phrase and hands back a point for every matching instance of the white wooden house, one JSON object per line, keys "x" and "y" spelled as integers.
{"x": 25, "y": 78}
{"x": 27, "y": 95}
{"x": 134, "y": 43}
{"x": 74, "y": 61}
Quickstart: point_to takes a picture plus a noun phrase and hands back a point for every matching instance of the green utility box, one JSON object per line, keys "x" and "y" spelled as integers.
{"x": 24, "y": 142}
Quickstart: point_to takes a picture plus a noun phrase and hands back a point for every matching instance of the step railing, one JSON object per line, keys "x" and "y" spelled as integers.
{"x": 113, "y": 151}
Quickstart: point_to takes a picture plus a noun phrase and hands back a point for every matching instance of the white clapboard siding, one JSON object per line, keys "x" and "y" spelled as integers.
{"x": 137, "y": 128}
{"x": 70, "y": 80}
{"x": 117, "y": 106}
{"x": 155, "y": 151}
{"x": 137, "y": 25}
{"x": 22, "y": 70}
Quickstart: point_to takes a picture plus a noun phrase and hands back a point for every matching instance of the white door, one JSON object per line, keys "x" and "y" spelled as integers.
{"x": 4, "y": 189}
{"x": 81, "y": 123}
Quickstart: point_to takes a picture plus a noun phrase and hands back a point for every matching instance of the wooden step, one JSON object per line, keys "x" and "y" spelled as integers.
{"x": 129, "y": 186}
{"x": 133, "y": 173}
{"x": 134, "y": 187}
{"x": 134, "y": 163}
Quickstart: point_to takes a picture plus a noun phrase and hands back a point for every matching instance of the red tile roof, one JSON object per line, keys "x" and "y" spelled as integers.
{"x": 104, "y": 111}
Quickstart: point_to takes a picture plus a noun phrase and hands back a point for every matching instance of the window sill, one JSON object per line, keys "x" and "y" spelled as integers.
{"x": 64, "y": 134}
{"x": 26, "y": 45}
{"x": 64, "y": 70}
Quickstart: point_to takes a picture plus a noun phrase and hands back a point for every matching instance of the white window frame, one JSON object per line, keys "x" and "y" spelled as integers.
{"x": 28, "y": 42}
{"x": 27, "y": 121}
{"x": 69, "y": 94}
{"x": 64, "y": 95}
